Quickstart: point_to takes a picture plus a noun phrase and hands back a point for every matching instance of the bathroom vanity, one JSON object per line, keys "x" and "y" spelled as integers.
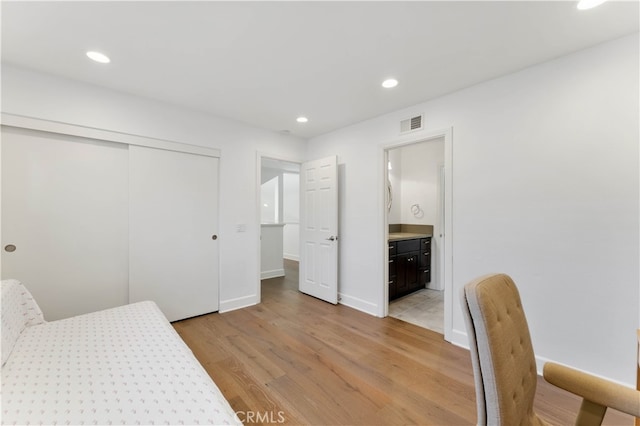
{"x": 409, "y": 262}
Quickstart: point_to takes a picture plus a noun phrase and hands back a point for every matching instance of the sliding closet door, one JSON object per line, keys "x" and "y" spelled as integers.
{"x": 64, "y": 220}
{"x": 173, "y": 250}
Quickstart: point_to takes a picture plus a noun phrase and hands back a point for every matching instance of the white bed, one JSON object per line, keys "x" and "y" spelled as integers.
{"x": 125, "y": 365}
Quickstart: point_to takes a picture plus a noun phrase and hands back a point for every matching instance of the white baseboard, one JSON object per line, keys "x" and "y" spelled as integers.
{"x": 240, "y": 302}
{"x": 541, "y": 361}
{"x": 264, "y": 275}
{"x": 460, "y": 339}
{"x": 358, "y": 304}
{"x": 291, "y": 257}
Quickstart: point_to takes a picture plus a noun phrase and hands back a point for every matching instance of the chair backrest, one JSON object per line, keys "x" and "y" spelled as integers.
{"x": 501, "y": 352}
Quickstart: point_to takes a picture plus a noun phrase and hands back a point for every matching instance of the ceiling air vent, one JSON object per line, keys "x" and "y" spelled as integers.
{"x": 411, "y": 124}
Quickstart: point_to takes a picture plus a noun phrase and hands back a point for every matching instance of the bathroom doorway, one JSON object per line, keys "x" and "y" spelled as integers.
{"x": 416, "y": 220}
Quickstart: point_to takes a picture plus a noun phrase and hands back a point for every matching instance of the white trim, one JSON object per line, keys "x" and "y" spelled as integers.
{"x": 358, "y": 304}
{"x": 238, "y": 303}
{"x": 291, "y": 257}
{"x": 265, "y": 275}
{"x": 24, "y": 122}
{"x": 460, "y": 339}
{"x": 541, "y": 361}
{"x": 413, "y": 138}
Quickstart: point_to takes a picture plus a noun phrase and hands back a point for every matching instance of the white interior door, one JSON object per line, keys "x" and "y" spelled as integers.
{"x": 319, "y": 229}
{"x": 173, "y": 256}
{"x": 64, "y": 209}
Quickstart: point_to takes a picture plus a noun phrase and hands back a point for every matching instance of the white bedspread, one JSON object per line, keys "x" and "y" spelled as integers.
{"x": 125, "y": 365}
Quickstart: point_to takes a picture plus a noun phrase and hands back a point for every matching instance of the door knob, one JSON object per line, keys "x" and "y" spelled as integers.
{"x": 9, "y": 248}
{"x": 215, "y": 237}
{"x": 332, "y": 238}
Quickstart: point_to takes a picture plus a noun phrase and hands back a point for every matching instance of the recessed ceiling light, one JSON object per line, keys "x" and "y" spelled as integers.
{"x": 98, "y": 57}
{"x": 389, "y": 83}
{"x": 589, "y": 4}
{"x": 302, "y": 119}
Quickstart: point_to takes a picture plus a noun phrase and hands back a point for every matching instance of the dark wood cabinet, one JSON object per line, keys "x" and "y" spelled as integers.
{"x": 424, "y": 270}
{"x": 393, "y": 291}
{"x": 409, "y": 266}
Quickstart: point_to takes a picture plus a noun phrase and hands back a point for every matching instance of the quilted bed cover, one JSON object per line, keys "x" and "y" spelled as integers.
{"x": 125, "y": 365}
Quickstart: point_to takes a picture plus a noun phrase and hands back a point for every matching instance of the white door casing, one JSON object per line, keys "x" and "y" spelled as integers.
{"x": 173, "y": 219}
{"x": 319, "y": 229}
{"x": 64, "y": 208}
{"x": 447, "y": 229}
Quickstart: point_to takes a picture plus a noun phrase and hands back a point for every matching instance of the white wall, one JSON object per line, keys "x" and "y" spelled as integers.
{"x": 48, "y": 97}
{"x": 420, "y": 177}
{"x": 545, "y": 188}
{"x": 291, "y": 215}
{"x": 288, "y": 184}
{"x": 271, "y": 264}
{"x": 395, "y": 178}
{"x": 269, "y": 200}
{"x": 419, "y": 183}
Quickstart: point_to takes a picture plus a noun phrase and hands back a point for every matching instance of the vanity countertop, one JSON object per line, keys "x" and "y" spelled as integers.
{"x": 397, "y": 236}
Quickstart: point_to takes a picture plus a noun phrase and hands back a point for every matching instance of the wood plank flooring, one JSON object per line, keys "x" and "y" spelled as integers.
{"x": 297, "y": 360}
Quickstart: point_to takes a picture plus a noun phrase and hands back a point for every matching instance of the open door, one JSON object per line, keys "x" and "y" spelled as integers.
{"x": 319, "y": 229}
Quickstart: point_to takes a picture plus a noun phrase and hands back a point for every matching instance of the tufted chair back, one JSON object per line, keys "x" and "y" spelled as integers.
{"x": 503, "y": 361}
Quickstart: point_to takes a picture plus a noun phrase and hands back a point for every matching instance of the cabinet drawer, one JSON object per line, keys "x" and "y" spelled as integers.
{"x": 425, "y": 259}
{"x": 393, "y": 293}
{"x": 393, "y": 248}
{"x": 392, "y": 266}
{"x": 424, "y": 276}
{"x": 405, "y": 246}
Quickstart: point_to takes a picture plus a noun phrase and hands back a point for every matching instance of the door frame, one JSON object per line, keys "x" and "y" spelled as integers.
{"x": 413, "y": 138}
{"x": 258, "y": 220}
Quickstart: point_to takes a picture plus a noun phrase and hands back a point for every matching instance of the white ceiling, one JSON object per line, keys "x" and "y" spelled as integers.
{"x": 265, "y": 63}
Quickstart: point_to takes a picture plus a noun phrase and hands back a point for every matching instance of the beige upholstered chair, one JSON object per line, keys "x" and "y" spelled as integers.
{"x": 504, "y": 365}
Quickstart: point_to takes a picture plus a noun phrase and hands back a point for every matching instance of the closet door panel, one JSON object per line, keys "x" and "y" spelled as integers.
{"x": 65, "y": 209}
{"x": 173, "y": 259}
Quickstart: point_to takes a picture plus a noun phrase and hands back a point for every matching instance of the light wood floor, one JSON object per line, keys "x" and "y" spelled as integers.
{"x": 304, "y": 361}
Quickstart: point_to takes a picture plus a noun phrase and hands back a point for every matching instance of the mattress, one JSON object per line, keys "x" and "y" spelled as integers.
{"x": 125, "y": 365}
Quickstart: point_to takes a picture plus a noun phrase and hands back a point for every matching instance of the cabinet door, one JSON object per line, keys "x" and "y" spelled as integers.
{"x": 412, "y": 272}
{"x": 64, "y": 208}
{"x": 173, "y": 217}
{"x": 406, "y": 272}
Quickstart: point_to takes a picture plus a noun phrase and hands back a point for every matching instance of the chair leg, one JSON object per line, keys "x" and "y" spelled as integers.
{"x": 590, "y": 414}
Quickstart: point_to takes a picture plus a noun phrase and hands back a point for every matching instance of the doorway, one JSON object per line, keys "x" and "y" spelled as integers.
{"x": 279, "y": 207}
{"x": 418, "y": 231}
